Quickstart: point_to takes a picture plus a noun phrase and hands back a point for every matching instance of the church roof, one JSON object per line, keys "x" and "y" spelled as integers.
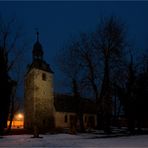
{"x": 67, "y": 103}
{"x": 40, "y": 64}
{"x": 38, "y": 61}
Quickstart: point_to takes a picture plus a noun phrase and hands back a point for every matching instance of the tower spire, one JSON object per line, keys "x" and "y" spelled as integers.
{"x": 37, "y": 48}
{"x": 37, "y": 33}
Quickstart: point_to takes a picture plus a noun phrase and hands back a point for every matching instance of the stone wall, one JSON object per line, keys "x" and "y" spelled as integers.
{"x": 61, "y": 123}
{"x": 39, "y": 99}
{"x": 29, "y": 100}
{"x": 60, "y": 119}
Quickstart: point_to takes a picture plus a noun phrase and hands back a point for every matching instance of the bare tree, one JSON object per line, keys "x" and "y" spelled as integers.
{"x": 80, "y": 63}
{"x": 99, "y": 56}
{"x": 11, "y": 50}
{"x": 14, "y": 106}
{"x": 70, "y": 65}
{"x": 110, "y": 40}
{"x": 90, "y": 62}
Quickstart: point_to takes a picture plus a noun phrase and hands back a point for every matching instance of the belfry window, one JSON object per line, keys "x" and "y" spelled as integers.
{"x": 44, "y": 76}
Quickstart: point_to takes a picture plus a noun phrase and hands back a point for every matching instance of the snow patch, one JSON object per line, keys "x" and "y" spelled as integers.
{"x": 67, "y": 140}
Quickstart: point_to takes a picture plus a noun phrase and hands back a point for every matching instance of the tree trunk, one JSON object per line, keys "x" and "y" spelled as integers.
{"x": 105, "y": 98}
{"x": 11, "y": 113}
{"x": 79, "y": 110}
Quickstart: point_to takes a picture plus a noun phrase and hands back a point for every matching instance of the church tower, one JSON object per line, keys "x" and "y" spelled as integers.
{"x": 38, "y": 99}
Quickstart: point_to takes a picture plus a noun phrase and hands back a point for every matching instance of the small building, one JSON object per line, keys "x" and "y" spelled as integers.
{"x": 44, "y": 109}
{"x": 67, "y": 111}
{"x": 18, "y": 121}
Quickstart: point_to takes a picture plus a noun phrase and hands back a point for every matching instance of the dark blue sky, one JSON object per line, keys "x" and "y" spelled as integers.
{"x": 58, "y": 21}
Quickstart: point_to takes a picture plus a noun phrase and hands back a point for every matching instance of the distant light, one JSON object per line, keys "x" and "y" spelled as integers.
{"x": 19, "y": 116}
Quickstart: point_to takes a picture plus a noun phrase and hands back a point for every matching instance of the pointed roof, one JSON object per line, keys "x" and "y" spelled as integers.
{"x": 37, "y": 48}
{"x": 38, "y": 61}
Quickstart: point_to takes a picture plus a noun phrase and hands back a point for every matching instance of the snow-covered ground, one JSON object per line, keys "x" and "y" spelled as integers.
{"x": 67, "y": 140}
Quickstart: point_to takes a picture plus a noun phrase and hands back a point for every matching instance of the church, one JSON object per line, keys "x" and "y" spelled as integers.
{"x": 43, "y": 107}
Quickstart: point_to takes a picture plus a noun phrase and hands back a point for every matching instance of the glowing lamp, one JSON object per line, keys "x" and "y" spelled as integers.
{"x": 20, "y": 116}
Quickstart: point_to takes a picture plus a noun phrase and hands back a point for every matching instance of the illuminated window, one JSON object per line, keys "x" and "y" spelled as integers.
{"x": 65, "y": 119}
{"x": 44, "y": 76}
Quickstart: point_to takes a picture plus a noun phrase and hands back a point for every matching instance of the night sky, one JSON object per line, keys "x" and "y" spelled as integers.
{"x": 57, "y": 22}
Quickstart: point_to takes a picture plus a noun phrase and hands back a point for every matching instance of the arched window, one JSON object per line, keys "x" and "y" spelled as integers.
{"x": 44, "y": 76}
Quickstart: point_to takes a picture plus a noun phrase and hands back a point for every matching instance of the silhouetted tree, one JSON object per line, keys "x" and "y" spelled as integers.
{"x": 141, "y": 93}
{"x": 69, "y": 64}
{"x": 5, "y": 88}
{"x": 94, "y": 51}
{"x": 133, "y": 95}
{"x": 11, "y": 49}
{"x": 110, "y": 40}
{"x": 130, "y": 97}
{"x": 14, "y": 106}
{"x": 90, "y": 62}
